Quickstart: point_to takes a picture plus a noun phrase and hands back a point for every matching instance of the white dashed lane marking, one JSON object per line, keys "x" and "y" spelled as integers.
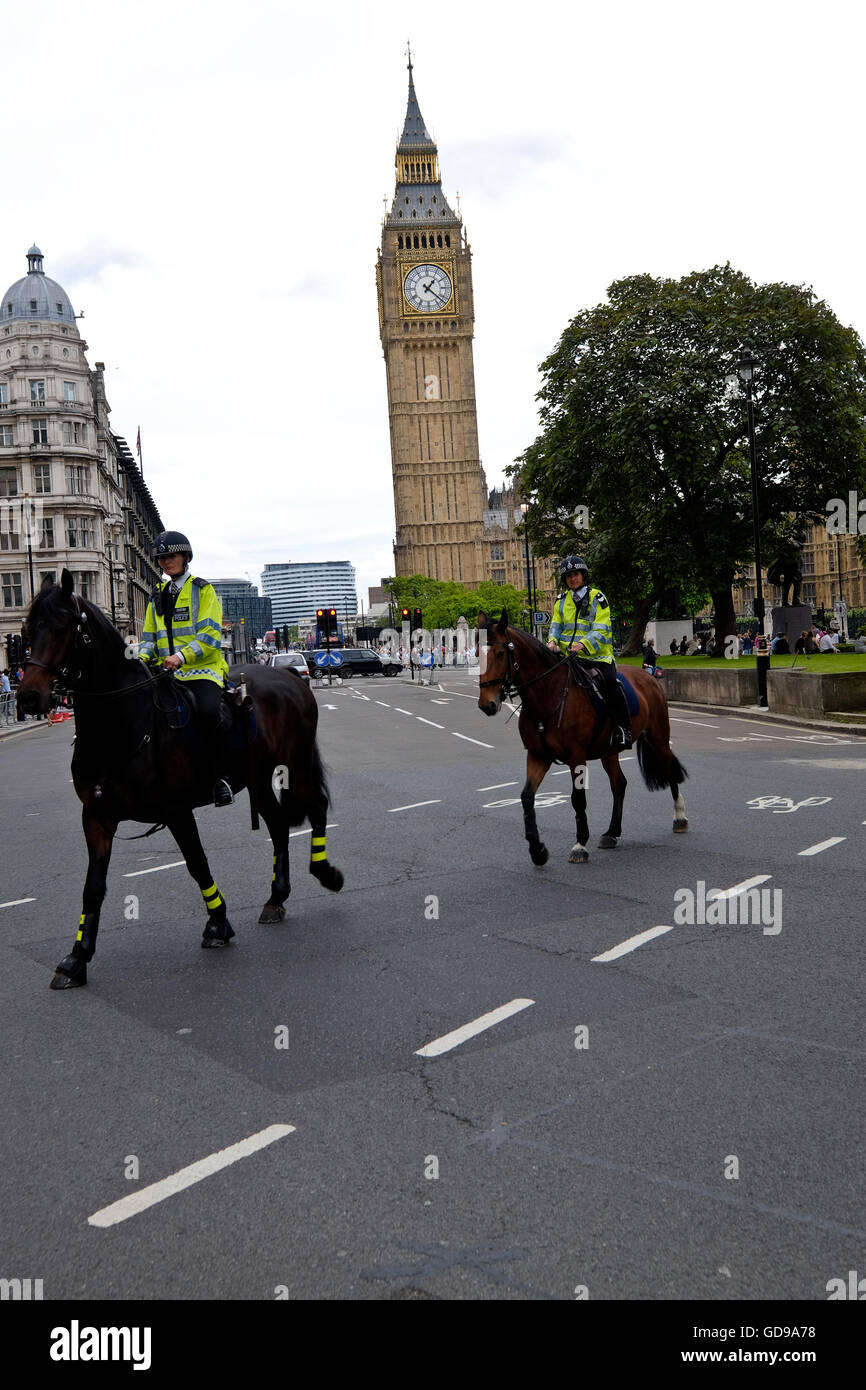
{"x": 497, "y": 785}
{"x": 632, "y": 944}
{"x": 185, "y": 1177}
{"x": 472, "y": 740}
{"x": 412, "y": 806}
{"x": 422, "y": 720}
{"x": 15, "y": 902}
{"x": 470, "y": 1030}
{"x": 825, "y": 844}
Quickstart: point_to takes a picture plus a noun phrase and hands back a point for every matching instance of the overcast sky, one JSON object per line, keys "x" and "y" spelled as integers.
{"x": 206, "y": 181}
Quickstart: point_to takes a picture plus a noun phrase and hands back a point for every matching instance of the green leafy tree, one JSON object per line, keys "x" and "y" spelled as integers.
{"x": 443, "y": 602}
{"x": 644, "y": 422}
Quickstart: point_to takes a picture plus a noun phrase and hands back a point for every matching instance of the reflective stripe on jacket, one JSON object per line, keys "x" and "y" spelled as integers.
{"x": 587, "y": 621}
{"x": 196, "y": 634}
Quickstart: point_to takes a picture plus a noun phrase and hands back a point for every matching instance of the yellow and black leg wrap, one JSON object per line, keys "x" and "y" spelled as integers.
{"x": 328, "y": 876}
{"x": 214, "y": 901}
{"x": 73, "y": 968}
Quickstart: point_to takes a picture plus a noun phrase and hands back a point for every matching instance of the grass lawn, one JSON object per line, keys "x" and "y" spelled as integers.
{"x": 818, "y": 665}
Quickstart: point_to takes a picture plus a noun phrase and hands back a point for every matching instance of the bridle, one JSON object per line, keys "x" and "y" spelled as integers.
{"x": 510, "y": 681}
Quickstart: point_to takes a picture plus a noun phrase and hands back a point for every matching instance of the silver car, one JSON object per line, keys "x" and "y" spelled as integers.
{"x": 291, "y": 661}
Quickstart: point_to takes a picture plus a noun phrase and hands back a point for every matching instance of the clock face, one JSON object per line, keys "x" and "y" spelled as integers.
{"x": 428, "y": 288}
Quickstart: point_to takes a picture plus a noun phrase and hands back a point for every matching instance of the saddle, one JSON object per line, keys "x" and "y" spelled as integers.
{"x": 590, "y": 679}
{"x": 234, "y": 705}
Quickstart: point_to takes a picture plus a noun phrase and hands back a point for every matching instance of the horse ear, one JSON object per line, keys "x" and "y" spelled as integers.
{"x": 67, "y": 584}
{"x": 47, "y": 583}
{"x": 502, "y": 625}
{"x": 482, "y": 619}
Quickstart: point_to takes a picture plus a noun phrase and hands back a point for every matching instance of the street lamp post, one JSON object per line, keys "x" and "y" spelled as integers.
{"x": 524, "y": 507}
{"x": 746, "y": 368}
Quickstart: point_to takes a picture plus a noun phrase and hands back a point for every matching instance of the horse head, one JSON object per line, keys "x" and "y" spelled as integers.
{"x": 494, "y": 652}
{"x": 62, "y": 631}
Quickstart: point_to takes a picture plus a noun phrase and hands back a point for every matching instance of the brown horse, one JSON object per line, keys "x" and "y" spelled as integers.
{"x": 558, "y": 723}
{"x": 136, "y": 758}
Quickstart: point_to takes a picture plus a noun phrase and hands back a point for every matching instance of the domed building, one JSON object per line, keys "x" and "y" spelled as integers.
{"x": 71, "y": 496}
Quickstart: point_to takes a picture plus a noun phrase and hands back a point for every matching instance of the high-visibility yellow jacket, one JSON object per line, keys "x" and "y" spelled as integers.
{"x": 195, "y": 633}
{"x": 587, "y": 620}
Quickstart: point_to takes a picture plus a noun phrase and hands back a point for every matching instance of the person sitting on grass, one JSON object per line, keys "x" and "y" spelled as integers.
{"x": 860, "y": 644}
{"x": 780, "y": 646}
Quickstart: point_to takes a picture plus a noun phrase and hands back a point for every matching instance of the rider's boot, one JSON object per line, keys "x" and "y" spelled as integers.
{"x": 621, "y": 738}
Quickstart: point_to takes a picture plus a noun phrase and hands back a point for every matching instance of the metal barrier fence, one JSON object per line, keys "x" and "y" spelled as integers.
{"x": 7, "y": 707}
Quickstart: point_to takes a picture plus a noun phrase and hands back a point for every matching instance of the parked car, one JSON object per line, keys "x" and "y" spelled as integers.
{"x": 354, "y": 661}
{"x": 291, "y": 661}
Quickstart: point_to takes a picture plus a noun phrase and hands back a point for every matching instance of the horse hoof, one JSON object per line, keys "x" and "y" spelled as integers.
{"x": 272, "y": 913}
{"x": 62, "y": 981}
{"x": 539, "y": 855}
{"x": 216, "y": 934}
{"x": 328, "y": 876}
{"x": 608, "y": 842}
{"x": 681, "y": 826}
{"x": 578, "y": 855}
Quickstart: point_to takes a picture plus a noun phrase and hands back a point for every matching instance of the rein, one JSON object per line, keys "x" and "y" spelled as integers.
{"x": 65, "y": 675}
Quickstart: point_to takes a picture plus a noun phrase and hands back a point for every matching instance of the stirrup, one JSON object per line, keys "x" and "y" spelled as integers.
{"x": 222, "y": 793}
{"x": 621, "y": 738}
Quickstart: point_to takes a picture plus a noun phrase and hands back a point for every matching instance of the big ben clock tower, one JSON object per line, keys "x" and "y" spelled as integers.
{"x": 426, "y": 316}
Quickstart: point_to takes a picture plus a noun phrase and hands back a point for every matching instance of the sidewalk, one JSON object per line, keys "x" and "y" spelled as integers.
{"x": 26, "y": 727}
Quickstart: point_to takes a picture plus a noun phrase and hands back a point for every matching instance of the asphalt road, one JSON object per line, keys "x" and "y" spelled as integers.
{"x": 680, "y": 1121}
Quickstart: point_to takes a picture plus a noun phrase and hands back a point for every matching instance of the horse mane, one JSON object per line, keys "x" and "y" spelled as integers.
{"x": 533, "y": 643}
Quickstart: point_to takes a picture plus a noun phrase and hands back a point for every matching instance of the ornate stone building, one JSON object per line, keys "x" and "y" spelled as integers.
{"x": 70, "y": 496}
{"x": 446, "y": 527}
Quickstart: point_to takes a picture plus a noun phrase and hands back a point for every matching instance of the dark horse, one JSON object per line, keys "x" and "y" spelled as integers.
{"x": 559, "y": 723}
{"x": 133, "y": 762}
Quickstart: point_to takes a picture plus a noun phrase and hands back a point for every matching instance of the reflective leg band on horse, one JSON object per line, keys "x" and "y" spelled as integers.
{"x": 317, "y": 849}
{"x": 213, "y": 899}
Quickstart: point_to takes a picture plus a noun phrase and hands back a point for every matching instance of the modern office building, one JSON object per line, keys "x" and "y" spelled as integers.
{"x": 244, "y": 608}
{"x": 297, "y": 590}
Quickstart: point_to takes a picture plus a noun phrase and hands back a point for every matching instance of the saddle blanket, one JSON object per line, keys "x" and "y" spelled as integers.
{"x": 630, "y": 694}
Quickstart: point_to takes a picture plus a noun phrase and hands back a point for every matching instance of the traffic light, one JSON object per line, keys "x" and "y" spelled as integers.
{"x": 285, "y": 637}
{"x": 326, "y": 621}
{"x": 405, "y": 615}
{"x": 416, "y": 618}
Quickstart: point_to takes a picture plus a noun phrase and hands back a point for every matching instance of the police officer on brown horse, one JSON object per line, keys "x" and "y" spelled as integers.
{"x": 581, "y": 628}
{"x": 183, "y": 633}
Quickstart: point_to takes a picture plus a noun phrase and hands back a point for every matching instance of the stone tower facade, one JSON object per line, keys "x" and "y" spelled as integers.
{"x": 426, "y": 322}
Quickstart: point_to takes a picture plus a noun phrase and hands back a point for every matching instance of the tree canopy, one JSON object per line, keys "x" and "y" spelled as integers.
{"x": 643, "y": 424}
{"x": 442, "y": 603}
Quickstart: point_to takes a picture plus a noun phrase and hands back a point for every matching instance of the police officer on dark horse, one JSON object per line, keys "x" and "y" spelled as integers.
{"x": 183, "y": 633}
{"x": 137, "y": 757}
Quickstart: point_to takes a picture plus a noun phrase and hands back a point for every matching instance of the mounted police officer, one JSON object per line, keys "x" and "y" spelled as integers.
{"x": 182, "y": 633}
{"x": 581, "y": 629}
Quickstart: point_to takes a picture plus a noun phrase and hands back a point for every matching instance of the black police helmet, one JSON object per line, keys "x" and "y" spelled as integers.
{"x": 573, "y": 564}
{"x": 171, "y": 543}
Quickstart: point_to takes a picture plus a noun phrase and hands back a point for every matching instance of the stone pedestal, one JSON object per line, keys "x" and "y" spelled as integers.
{"x": 791, "y": 621}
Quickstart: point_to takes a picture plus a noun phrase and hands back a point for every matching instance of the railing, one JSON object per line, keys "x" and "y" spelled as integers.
{"x": 7, "y": 706}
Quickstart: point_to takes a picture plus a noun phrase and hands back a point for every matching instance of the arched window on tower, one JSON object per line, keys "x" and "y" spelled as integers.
{"x": 424, "y": 241}
{"x": 447, "y": 239}
{"x": 416, "y": 238}
{"x": 400, "y": 243}
{"x": 439, "y": 239}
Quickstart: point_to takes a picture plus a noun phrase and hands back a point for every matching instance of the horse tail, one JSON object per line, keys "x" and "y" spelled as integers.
{"x": 658, "y": 771}
{"x": 317, "y": 776}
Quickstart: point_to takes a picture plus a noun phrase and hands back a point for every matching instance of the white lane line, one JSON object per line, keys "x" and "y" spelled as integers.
{"x": 158, "y": 870}
{"x": 472, "y": 740}
{"x": 403, "y": 711}
{"x": 332, "y": 825}
{"x": 825, "y": 844}
{"x": 469, "y": 1030}
{"x": 738, "y": 888}
{"x": 16, "y": 901}
{"x": 413, "y": 804}
{"x": 458, "y": 693}
{"x": 632, "y": 944}
{"x": 383, "y": 702}
{"x": 429, "y": 721}
{"x": 186, "y": 1177}
{"x": 497, "y": 785}
{"x": 440, "y": 702}
{"x": 696, "y": 722}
